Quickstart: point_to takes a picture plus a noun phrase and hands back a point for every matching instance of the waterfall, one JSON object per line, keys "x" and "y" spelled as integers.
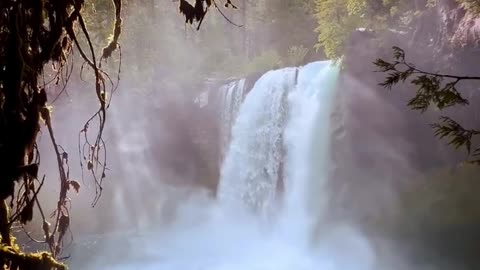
{"x": 251, "y": 168}
{"x": 281, "y": 134}
{"x": 307, "y": 140}
{"x": 276, "y": 164}
{"x": 234, "y": 94}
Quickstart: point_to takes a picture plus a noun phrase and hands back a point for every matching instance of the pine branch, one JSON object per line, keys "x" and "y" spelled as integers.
{"x": 458, "y": 135}
{"x": 432, "y": 89}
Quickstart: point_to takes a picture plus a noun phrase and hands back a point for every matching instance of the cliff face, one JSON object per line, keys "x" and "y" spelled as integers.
{"x": 378, "y": 144}
{"x": 446, "y": 40}
{"x": 452, "y": 33}
{"x": 460, "y": 28}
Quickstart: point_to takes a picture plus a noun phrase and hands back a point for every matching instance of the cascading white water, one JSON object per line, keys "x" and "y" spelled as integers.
{"x": 306, "y": 140}
{"x": 234, "y": 93}
{"x": 282, "y": 123}
{"x": 265, "y": 142}
{"x": 251, "y": 168}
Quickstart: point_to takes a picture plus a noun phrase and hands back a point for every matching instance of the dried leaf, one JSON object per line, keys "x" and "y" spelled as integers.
{"x": 75, "y": 185}
{"x": 90, "y": 165}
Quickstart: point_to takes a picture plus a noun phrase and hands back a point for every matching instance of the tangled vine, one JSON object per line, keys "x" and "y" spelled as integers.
{"x": 32, "y": 35}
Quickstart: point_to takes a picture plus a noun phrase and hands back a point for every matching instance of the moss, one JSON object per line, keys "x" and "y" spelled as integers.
{"x": 13, "y": 258}
{"x": 471, "y": 5}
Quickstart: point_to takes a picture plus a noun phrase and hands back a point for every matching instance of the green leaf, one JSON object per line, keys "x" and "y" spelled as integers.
{"x": 398, "y": 53}
{"x": 458, "y": 135}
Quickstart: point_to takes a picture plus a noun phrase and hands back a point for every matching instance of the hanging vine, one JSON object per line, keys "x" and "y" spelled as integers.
{"x": 33, "y": 34}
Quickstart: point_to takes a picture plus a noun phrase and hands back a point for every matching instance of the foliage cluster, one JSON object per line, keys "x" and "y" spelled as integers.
{"x": 338, "y": 19}
{"x": 471, "y": 5}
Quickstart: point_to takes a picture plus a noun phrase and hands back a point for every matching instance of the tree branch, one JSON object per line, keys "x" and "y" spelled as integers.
{"x": 431, "y": 89}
